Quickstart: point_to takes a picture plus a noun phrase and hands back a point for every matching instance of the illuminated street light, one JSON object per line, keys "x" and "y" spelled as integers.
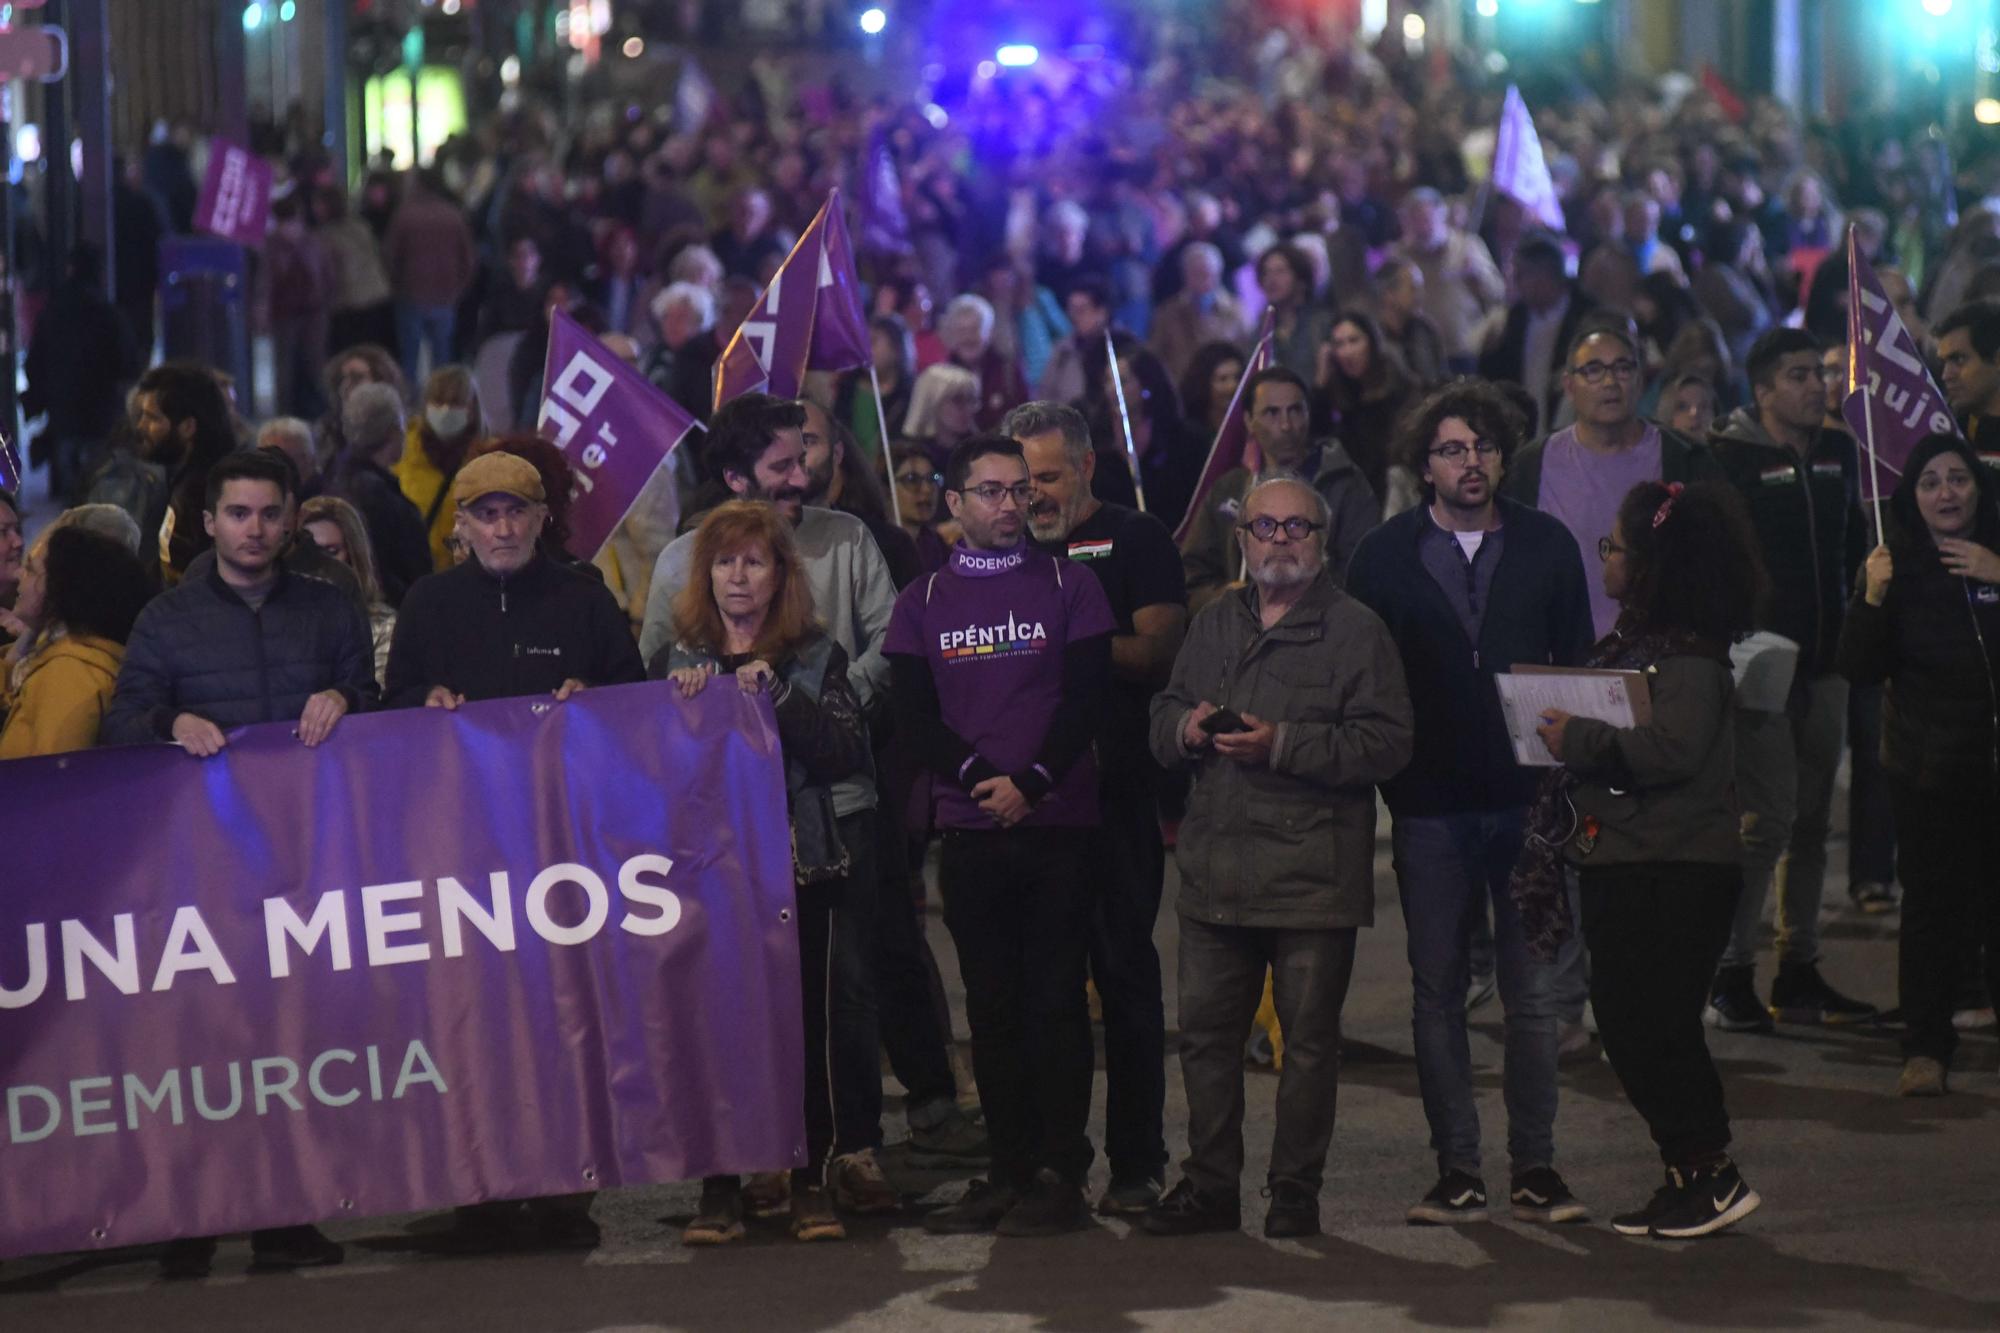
{"x": 253, "y": 17}
{"x": 287, "y": 12}
{"x": 1937, "y": 9}
{"x": 1413, "y": 27}
{"x": 873, "y": 21}
{"x": 1488, "y": 8}
{"x": 1986, "y": 111}
{"x": 1017, "y": 55}
{"x": 634, "y": 47}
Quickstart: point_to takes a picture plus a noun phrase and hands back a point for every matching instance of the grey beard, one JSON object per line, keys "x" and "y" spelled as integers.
{"x": 1278, "y": 578}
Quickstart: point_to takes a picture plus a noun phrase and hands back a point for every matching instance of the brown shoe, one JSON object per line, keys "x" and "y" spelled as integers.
{"x": 813, "y": 1217}
{"x": 1922, "y": 1077}
{"x": 718, "y": 1220}
{"x": 860, "y": 1187}
{"x": 768, "y": 1194}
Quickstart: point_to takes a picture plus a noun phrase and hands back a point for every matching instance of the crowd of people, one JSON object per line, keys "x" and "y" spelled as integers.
{"x": 1015, "y": 658}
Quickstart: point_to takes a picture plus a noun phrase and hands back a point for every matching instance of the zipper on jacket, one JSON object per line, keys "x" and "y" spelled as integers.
{"x": 1985, "y": 660}
{"x": 1812, "y": 548}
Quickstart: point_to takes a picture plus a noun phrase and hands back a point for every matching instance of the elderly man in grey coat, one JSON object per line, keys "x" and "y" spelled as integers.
{"x": 1288, "y": 703}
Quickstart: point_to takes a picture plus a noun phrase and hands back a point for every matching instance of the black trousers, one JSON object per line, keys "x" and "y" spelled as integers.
{"x": 1656, "y": 932}
{"x": 1948, "y": 858}
{"x": 913, "y": 1034}
{"x": 1127, "y": 867}
{"x": 1018, "y": 905}
{"x": 1871, "y": 825}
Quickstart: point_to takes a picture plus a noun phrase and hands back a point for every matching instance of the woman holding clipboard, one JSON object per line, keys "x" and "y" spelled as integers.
{"x": 1647, "y": 817}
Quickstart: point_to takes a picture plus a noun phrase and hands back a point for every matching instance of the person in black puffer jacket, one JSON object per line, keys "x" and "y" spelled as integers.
{"x": 246, "y": 641}
{"x": 1927, "y": 621}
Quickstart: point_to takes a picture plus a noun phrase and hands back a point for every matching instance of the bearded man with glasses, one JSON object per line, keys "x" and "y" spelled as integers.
{"x": 1287, "y": 702}
{"x": 1000, "y": 665}
{"x": 1471, "y": 584}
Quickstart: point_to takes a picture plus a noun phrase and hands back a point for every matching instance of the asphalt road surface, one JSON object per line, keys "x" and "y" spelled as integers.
{"x": 1878, "y": 1212}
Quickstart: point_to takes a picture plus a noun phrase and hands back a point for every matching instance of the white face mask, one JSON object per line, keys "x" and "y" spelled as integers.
{"x": 448, "y": 422}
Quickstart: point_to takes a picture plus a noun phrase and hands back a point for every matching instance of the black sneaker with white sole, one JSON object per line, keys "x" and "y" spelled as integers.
{"x": 1713, "y": 1198}
{"x": 1666, "y": 1200}
{"x": 1733, "y": 1005}
{"x": 1539, "y": 1195}
{"x": 1456, "y": 1199}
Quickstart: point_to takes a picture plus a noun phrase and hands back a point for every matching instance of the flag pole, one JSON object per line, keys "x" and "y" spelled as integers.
{"x": 1874, "y": 468}
{"x": 1124, "y": 418}
{"x": 888, "y": 456}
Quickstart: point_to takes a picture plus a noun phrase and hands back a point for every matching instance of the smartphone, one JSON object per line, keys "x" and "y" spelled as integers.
{"x": 1224, "y": 721}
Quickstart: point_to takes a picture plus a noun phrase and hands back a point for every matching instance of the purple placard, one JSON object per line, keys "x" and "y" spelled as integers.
{"x": 235, "y": 199}
{"x": 613, "y": 423}
{"x": 190, "y": 1056}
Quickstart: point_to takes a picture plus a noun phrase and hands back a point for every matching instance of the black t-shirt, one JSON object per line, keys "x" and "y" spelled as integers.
{"x": 1135, "y": 559}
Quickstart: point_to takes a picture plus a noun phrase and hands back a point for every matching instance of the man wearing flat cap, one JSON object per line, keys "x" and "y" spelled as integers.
{"x": 508, "y": 621}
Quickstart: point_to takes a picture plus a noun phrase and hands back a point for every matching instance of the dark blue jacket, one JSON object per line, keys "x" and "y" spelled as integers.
{"x": 199, "y": 648}
{"x": 1538, "y": 611}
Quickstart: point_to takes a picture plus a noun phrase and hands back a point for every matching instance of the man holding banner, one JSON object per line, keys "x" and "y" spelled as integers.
{"x": 509, "y": 621}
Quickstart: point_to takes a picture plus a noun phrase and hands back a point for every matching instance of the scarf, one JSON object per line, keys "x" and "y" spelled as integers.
{"x": 1536, "y": 884}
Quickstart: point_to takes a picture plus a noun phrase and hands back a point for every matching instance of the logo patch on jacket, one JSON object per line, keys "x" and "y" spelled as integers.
{"x": 1778, "y": 476}
{"x": 1827, "y": 468}
{"x": 1090, "y": 550}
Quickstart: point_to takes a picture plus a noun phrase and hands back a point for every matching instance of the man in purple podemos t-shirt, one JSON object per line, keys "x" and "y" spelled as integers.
{"x": 1000, "y": 665}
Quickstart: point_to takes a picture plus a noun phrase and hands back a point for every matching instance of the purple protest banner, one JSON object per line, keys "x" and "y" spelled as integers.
{"x": 809, "y": 318}
{"x": 235, "y": 201}
{"x": 615, "y": 426}
{"x": 520, "y": 949}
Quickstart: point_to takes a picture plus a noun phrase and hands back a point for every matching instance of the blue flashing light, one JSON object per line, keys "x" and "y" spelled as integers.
{"x": 1017, "y": 55}
{"x": 253, "y": 16}
{"x": 873, "y": 21}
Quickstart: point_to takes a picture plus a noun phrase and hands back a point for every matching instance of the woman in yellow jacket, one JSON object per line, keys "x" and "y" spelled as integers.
{"x": 80, "y": 593}
{"x": 440, "y": 440}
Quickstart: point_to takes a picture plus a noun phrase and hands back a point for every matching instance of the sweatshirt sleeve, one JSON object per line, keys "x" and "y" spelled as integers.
{"x": 1086, "y": 676}
{"x": 1690, "y": 703}
{"x": 874, "y": 601}
{"x": 669, "y": 574}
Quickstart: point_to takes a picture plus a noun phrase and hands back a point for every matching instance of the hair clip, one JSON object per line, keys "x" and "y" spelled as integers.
{"x": 1674, "y": 489}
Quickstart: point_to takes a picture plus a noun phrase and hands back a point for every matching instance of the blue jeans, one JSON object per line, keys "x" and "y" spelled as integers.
{"x": 417, "y": 324}
{"x": 1447, "y": 868}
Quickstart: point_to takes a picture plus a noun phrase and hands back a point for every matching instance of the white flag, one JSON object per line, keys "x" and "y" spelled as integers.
{"x": 1519, "y": 169}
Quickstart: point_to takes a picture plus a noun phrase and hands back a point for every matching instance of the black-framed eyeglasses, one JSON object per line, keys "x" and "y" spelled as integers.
{"x": 1593, "y": 372}
{"x": 918, "y": 479}
{"x": 1456, "y": 451}
{"x": 1605, "y": 546}
{"x": 993, "y": 493}
{"x": 1264, "y": 527}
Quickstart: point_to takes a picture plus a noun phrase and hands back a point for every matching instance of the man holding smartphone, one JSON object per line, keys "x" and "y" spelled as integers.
{"x": 1288, "y": 703}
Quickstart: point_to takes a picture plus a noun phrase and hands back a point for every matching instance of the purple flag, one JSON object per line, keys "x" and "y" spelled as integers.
{"x": 1233, "y": 447}
{"x": 809, "y": 318}
{"x": 1519, "y": 170}
{"x": 614, "y": 425}
{"x": 235, "y": 201}
{"x": 885, "y": 227}
{"x": 1892, "y": 401}
{"x": 520, "y": 949}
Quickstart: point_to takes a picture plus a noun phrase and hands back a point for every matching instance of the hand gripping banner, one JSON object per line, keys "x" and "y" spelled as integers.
{"x": 521, "y": 949}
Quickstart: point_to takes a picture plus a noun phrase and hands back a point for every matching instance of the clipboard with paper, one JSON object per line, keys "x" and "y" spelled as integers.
{"x": 1619, "y": 698}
